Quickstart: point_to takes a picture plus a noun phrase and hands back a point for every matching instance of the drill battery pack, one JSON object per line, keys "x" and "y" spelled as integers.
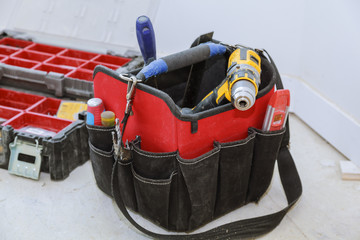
{"x": 36, "y": 80}
{"x": 183, "y": 170}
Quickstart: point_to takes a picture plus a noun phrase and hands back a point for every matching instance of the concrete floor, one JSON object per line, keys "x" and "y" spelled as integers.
{"x": 76, "y": 209}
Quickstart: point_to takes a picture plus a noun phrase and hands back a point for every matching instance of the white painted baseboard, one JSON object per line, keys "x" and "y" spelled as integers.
{"x": 327, "y": 119}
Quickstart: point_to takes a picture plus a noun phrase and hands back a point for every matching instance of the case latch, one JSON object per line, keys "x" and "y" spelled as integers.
{"x": 25, "y": 158}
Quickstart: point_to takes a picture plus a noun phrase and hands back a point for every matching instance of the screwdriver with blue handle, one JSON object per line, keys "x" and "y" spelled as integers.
{"x": 146, "y": 39}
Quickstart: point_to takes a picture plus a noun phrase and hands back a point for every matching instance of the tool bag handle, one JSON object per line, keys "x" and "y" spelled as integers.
{"x": 245, "y": 228}
{"x": 181, "y": 59}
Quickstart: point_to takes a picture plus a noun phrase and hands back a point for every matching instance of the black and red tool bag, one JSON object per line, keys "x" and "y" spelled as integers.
{"x": 182, "y": 171}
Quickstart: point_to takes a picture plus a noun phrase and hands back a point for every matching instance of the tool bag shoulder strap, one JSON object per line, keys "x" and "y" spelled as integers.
{"x": 245, "y": 228}
{"x": 251, "y": 227}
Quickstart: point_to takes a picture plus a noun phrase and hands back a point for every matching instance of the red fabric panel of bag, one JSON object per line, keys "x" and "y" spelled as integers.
{"x": 161, "y": 131}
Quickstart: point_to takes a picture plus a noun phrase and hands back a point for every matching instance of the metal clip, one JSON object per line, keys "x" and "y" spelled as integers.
{"x": 125, "y": 154}
{"x": 120, "y": 151}
{"x": 132, "y": 81}
{"x": 25, "y": 158}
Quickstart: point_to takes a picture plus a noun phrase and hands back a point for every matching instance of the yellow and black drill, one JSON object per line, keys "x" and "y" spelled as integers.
{"x": 240, "y": 85}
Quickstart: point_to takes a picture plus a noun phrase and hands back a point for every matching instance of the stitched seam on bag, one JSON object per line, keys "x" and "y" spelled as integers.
{"x": 99, "y": 153}
{"x": 154, "y": 156}
{"x": 191, "y": 163}
{"x": 123, "y": 164}
{"x": 153, "y": 182}
{"x": 112, "y": 178}
{"x": 101, "y": 130}
{"x": 270, "y": 134}
{"x": 239, "y": 144}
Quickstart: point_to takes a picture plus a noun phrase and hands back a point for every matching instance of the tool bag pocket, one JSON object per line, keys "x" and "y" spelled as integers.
{"x": 155, "y": 182}
{"x": 101, "y": 155}
{"x": 265, "y": 152}
{"x": 183, "y": 194}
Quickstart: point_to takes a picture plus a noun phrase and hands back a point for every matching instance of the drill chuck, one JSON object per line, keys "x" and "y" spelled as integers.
{"x": 243, "y": 95}
{"x": 240, "y": 86}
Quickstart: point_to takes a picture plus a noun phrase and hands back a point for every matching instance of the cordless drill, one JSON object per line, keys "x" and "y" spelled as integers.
{"x": 240, "y": 85}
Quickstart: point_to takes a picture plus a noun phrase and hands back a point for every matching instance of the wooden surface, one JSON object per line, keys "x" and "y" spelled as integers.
{"x": 349, "y": 171}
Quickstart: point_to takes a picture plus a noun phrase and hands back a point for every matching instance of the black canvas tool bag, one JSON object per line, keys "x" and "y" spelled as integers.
{"x": 181, "y": 193}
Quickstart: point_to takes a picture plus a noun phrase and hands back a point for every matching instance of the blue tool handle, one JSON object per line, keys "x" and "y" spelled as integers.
{"x": 181, "y": 59}
{"x": 146, "y": 38}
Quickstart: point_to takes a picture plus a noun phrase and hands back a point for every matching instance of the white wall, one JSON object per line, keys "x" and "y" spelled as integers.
{"x": 317, "y": 41}
{"x": 333, "y": 38}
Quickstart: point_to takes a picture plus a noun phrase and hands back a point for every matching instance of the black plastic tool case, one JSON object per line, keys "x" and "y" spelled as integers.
{"x": 47, "y": 69}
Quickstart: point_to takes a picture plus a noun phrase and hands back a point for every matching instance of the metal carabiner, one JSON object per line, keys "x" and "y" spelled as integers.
{"x": 132, "y": 81}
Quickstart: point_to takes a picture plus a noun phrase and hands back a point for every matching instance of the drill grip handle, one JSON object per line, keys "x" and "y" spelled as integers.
{"x": 181, "y": 59}
{"x": 207, "y": 103}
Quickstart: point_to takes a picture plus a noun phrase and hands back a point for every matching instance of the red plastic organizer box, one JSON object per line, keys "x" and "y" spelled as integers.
{"x": 72, "y": 63}
{"x": 21, "y": 110}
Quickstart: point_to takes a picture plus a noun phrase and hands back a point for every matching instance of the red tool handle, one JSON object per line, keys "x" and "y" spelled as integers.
{"x": 277, "y": 110}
